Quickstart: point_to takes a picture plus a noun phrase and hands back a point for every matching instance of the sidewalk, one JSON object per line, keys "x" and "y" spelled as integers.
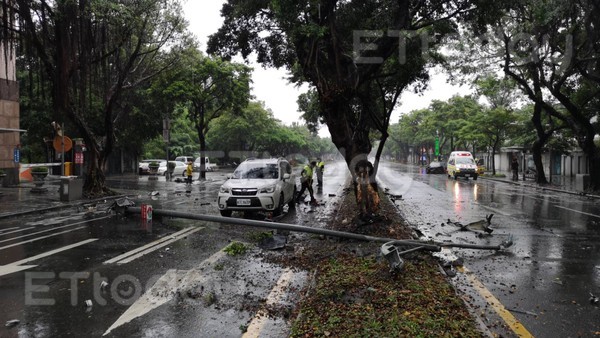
{"x": 563, "y": 184}
{"x": 20, "y": 200}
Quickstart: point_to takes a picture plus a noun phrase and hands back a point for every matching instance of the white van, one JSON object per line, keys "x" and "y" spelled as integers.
{"x": 184, "y": 159}
{"x": 461, "y": 163}
{"x": 207, "y": 165}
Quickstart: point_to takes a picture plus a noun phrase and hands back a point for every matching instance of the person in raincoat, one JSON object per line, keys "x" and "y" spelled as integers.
{"x": 306, "y": 180}
{"x": 514, "y": 167}
{"x": 189, "y": 171}
{"x": 319, "y": 169}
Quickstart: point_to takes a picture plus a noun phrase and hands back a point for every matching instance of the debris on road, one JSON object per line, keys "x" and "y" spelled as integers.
{"x": 393, "y": 250}
{"x": 482, "y": 225}
{"x": 594, "y": 300}
{"x": 524, "y": 312}
{"x": 274, "y": 242}
{"x": 12, "y": 323}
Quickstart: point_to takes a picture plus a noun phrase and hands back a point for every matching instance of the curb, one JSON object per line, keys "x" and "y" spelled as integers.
{"x": 533, "y": 186}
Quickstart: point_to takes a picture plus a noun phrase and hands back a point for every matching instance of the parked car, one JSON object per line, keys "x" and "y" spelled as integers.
{"x": 185, "y": 159}
{"x": 435, "y": 167}
{"x": 143, "y": 166}
{"x": 207, "y": 165}
{"x": 179, "y": 169}
{"x": 258, "y": 184}
{"x": 480, "y": 166}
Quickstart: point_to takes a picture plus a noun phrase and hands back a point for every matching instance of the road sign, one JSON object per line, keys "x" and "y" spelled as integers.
{"x": 17, "y": 155}
{"x": 78, "y": 158}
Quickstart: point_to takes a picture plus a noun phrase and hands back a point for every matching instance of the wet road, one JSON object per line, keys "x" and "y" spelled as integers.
{"x": 170, "y": 277}
{"x": 167, "y": 277}
{"x": 544, "y": 281}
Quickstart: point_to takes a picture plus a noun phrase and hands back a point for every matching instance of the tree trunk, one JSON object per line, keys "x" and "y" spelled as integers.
{"x": 593, "y": 154}
{"x": 94, "y": 185}
{"x": 539, "y": 144}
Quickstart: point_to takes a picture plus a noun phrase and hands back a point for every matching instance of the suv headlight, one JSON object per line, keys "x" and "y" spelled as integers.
{"x": 267, "y": 190}
{"x": 224, "y": 190}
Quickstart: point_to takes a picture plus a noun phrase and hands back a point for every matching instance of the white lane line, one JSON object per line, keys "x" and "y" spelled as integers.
{"x": 40, "y": 238}
{"x": 3, "y": 230}
{"x": 577, "y": 211}
{"x": 51, "y": 229}
{"x": 149, "y": 245}
{"x": 260, "y": 319}
{"x": 164, "y": 290}
{"x": 8, "y": 269}
{"x": 52, "y": 252}
{"x": 156, "y": 247}
{"x": 16, "y": 266}
{"x": 20, "y": 230}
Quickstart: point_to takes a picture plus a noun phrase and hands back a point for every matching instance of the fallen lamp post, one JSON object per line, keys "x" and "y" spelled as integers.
{"x": 389, "y": 249}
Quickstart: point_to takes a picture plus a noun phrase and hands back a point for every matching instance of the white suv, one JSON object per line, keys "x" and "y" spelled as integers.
{"x": 261, "y": 184}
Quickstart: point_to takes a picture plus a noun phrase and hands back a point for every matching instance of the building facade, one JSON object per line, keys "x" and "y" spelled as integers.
{"x": 9, "y": 114}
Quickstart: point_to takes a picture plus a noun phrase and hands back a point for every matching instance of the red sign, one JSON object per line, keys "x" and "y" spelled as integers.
{"x": 146, "y": 212}
{"x": 79, "y": 158}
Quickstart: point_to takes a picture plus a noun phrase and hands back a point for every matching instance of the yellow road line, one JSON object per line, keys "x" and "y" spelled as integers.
{"x": 259, "y": 321}
{"x": 513, "y": 323}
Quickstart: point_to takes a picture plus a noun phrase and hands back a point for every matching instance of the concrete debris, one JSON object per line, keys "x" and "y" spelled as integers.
{"x": 483, "y": 225}
{"x": 12, "y": 323}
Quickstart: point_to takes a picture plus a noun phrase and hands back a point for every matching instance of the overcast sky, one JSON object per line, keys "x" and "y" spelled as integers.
{"x": 270, "y": 86}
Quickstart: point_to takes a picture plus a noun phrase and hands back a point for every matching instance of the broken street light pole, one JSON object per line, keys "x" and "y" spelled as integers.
{"x": 422, "y": 245}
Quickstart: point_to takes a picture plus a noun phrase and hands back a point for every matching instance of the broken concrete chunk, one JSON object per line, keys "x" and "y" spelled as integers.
{"x": 12, "y": 323}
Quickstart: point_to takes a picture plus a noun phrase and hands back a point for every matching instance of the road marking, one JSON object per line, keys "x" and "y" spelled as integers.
{"x": 260, "y": 318}
{"x": 51, "y": 229}
{"x": 16, "y": 266}
{"x": 513, "y": 323}
{"x": 577, "y": 211}
{"x": 3, "y": 230}
{"x": 20, "y": 230}
{"x": 164, "y": 290}
{"x": 40, "y": 238}
{"x": 150, "y": 247}
{"x": 8, "y": 269}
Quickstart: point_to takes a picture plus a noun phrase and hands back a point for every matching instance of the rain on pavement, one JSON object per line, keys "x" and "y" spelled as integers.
{"x": 170, "y": 278}
{"x": 79, "y": 272}
{"x": 545, "y": 279}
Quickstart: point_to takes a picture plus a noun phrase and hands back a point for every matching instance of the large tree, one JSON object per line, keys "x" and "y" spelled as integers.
{"x": 551, "y": 50}
{"x": 358, "y": 55}
{"x": 208, "y": 87}
{"x": 90, "y": 52}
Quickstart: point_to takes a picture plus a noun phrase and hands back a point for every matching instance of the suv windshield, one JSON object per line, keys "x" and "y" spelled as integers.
{"x": 256, "y": 170}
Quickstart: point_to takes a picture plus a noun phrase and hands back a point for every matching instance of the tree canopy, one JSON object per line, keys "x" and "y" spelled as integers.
{"x": 90, "y": 53}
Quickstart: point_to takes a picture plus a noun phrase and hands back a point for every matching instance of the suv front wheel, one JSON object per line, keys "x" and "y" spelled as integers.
{"x": 225, "y": 213}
